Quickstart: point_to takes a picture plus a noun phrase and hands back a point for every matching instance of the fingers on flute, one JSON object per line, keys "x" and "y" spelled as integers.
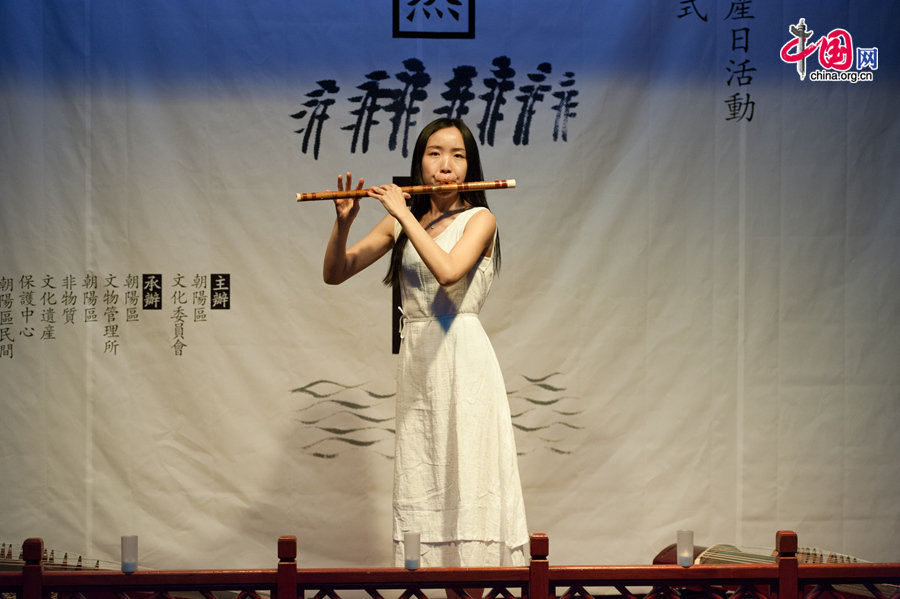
{"x": 342, "y": 186}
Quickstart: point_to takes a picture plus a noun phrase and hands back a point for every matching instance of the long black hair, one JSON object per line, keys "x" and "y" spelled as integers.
{"x": 421, "y": 203}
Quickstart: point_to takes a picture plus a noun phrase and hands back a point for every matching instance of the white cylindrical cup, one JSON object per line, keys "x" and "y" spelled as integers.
{"x": 685, "y": 548}
{"x": 129, "y": 554}
{"x": 411, "y": 550}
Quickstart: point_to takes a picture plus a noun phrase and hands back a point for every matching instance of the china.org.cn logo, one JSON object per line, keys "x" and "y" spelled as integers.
{"x": 835, "y": 52}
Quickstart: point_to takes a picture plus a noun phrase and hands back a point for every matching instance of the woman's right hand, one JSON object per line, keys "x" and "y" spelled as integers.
{"x": 347, "y": 208}
{"x": 342, "y": 263}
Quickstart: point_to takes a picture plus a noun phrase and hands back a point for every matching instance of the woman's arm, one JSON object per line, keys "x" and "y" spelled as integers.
{"x": 447, "y": 267}
{"x": 340, "y": 263}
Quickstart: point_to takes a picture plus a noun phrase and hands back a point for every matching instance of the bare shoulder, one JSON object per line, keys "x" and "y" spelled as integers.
{"x": 483, "y": 219}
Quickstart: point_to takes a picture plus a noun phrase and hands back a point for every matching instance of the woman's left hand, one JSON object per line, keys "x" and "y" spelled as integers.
{"x": 391, "y": 197}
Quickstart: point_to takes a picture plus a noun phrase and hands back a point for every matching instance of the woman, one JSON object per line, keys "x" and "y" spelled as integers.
{"x": 456, "y": 479}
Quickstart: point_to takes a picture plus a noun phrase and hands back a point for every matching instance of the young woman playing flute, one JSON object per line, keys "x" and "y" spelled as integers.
{"x": 456, "y": 478}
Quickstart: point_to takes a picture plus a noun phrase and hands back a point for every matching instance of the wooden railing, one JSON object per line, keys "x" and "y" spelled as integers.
{"x": 785, "y": 579}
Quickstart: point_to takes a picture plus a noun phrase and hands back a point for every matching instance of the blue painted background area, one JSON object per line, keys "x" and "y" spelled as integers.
{"x": 184, "y": 44}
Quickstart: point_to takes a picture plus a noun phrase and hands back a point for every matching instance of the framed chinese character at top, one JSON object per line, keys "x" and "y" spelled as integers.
{"x": 434, "y": 19}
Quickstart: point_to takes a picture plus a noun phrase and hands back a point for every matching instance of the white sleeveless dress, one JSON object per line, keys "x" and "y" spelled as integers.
{"x": 456, "y": 477}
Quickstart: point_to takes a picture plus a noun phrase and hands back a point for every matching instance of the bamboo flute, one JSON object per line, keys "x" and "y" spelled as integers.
{"x": 411, "y": 190}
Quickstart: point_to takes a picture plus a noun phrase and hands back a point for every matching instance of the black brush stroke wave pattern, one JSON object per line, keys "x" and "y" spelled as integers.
{"x": 544, "y": 416}
{"x": 334, "y": 417}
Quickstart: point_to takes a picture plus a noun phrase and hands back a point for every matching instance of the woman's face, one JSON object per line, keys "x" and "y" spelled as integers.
{"x": 444, "y": 160}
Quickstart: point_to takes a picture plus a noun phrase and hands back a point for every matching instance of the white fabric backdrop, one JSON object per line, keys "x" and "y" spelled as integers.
{"x": 697, "y": 315}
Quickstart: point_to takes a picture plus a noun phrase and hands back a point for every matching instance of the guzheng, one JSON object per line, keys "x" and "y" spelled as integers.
{"x": 731, "y": 554}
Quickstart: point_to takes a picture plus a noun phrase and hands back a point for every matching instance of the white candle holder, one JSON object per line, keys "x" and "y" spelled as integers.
{"x": 129, "y": 554}
{"x": 411, "y": 550}
{"x": 685, "y": 548}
